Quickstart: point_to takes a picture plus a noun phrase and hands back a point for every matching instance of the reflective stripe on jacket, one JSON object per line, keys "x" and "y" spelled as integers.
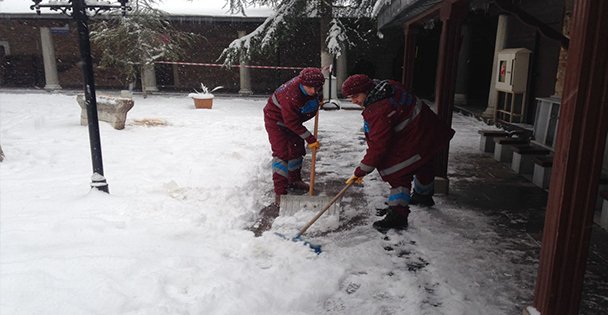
{"x": 402, "y": 132}
{"x": 289, "y": 107}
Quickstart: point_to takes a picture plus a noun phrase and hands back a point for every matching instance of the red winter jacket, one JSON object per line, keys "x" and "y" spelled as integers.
{"x": 402, "y": 132}
{"x": 289, "y": 107}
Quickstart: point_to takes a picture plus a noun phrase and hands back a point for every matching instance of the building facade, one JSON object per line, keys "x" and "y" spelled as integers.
{"x": 35, "y": 49}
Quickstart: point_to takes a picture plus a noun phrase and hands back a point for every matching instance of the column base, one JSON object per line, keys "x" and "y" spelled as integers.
{"x": 526, "y": 311}
{"x": 489, "y": 114}
{"x": 460, "y": 99}
{"x": 51, "y": 87}
{"x": 245, "y": 92}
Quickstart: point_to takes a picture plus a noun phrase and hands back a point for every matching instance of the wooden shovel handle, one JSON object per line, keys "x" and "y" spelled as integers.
{"x": 313, "y": 160}
{"x": 329, "y": 204}
{"x": 311, "y": 189}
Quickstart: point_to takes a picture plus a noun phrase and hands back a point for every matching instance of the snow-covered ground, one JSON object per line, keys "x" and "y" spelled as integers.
{"x": 171, "y": 236}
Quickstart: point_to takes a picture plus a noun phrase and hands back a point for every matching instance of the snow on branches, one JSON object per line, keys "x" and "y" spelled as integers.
{"x": 330, "y": 11}
{"x": 132, "y": 42}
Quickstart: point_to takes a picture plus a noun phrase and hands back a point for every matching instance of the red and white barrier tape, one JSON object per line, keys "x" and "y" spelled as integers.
{"x": 233, "y": 66}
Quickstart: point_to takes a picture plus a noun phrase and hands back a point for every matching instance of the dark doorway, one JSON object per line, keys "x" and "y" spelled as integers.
{"x": 425, "y": 63}
{"x": 481, "y": 56}
{"x": 365, "y": 66}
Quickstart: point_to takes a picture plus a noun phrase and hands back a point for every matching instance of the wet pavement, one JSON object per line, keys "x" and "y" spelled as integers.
{"x": 517, "y": 208}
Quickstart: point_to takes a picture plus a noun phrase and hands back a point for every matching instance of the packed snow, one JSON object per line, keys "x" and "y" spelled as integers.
{"x": 172, "y": 237}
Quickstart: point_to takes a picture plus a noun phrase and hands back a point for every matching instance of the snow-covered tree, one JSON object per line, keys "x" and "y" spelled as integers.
{"x": 335, "y": 35}
{"x": 133, "y": 42}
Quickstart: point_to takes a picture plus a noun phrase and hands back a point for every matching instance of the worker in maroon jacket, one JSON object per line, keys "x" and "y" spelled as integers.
{"x": 293, "y": 103}
{"x": 403, "y": 135}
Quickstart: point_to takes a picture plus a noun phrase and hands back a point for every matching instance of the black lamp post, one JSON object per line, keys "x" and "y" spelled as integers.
{"x": 77, "y": 9}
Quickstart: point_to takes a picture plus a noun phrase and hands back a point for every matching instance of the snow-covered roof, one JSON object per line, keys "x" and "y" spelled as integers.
{"x": 172, "y": 7}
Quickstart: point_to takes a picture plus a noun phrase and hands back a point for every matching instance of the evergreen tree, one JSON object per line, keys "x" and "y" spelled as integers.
{"x": 335, "y": 35}
{"x": 133, "y": 42}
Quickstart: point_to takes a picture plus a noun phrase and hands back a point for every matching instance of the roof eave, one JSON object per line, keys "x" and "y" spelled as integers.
{"x": 399, "y": 12}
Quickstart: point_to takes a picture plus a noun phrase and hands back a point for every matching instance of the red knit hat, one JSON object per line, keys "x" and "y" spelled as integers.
{"x": 358, "y": 83}
{"x": 312, "y": 77}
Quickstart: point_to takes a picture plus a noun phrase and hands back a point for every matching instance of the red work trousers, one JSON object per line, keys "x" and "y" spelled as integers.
{"x": 287, "y": 152}
{"x": 401, "y": 185}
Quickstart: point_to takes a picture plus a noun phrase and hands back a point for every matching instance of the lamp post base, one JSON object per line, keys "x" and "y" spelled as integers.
{"x": 99, "y": 182}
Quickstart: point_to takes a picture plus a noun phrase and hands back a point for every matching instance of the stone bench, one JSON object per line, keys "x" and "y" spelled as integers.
{"x": 523, "y": 158}
{"x": 486, "y": 143}
{"x": 109, "y": 109}
{"x": 503, "y": 148}
{"x": 542, "y": 171}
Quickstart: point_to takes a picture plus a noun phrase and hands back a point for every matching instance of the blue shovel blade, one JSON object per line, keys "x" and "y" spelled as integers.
{"x": 298, "y": 238}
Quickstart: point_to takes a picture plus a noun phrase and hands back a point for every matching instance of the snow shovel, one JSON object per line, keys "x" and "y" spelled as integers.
{"x": 298, "y": 237}
{"x": 290, "y": 204}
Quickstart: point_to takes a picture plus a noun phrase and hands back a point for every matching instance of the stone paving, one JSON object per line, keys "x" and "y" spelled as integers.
{"x": 518, "y": 207}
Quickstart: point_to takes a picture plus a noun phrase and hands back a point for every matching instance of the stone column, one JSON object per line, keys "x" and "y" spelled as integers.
{"x": 326, "y": 60}
{"x": 462, "y": 74}
{"x": 150, "y": 78}
{"x": 48, "y": 57}
{"x": 501, "y": 39}
{"x": 244, "y": 74}
{"x": 341, "y": 70}
{"x": 176, "y": 80}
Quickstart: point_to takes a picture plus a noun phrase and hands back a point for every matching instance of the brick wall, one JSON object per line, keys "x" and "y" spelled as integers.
{"x": 298, "y": 47}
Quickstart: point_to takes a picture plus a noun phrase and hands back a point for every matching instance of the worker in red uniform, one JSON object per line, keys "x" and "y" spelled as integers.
{"x": 293, "y": 103}
{"x": 403, "y": 136}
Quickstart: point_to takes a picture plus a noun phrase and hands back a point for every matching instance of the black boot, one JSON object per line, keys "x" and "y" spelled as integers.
{"x": 422, "y": 200}
{"x": 393, "y": 220}
{"x": 295, "y": 182}
{"x": 299, "y": 186}
{"x": 382, "y": 211}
